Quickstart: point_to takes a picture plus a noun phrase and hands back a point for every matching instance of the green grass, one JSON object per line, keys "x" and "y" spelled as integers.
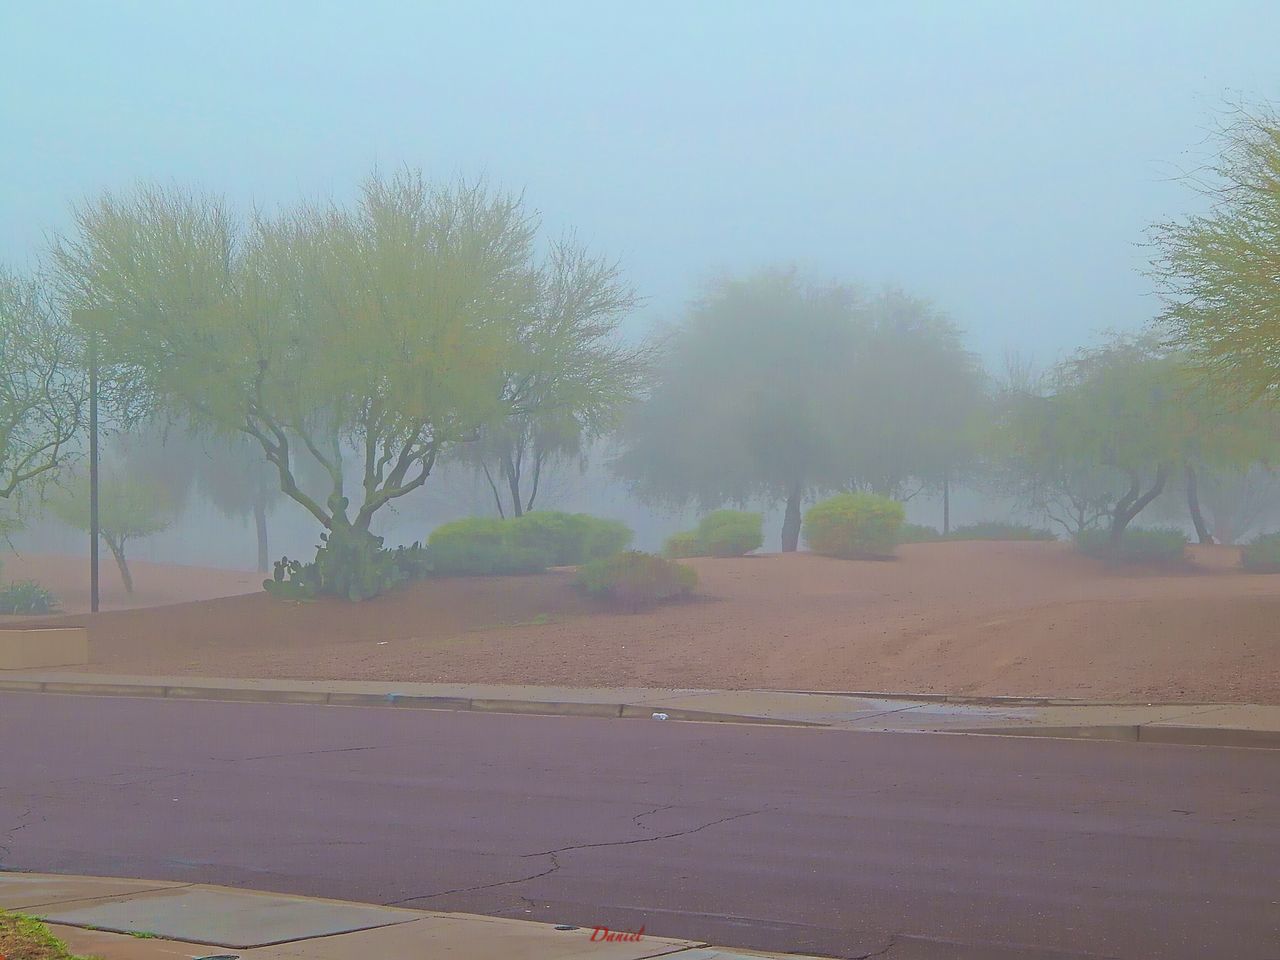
{"x": 26, "y": 938}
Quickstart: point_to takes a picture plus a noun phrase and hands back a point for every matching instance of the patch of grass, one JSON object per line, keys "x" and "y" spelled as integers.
{"x": 26, "y": 938}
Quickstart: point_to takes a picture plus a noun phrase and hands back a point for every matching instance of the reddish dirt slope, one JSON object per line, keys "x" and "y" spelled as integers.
{"x": 975, "y": 618}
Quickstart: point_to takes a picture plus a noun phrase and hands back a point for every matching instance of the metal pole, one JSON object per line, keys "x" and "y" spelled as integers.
{"x": 93, "y": 472}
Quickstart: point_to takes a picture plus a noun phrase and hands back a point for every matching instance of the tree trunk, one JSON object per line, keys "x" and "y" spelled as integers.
{"x": 1193, "y": 504}
{"x": 260, "y": 523}
{"x": 791, "y": 520}
{"x": 117, "y": 551}
{"x": 946, "y": 502}
{"x": 513, "y": 482}
{"x": 497, "y": 497}
{"x": 1133, "y": 503}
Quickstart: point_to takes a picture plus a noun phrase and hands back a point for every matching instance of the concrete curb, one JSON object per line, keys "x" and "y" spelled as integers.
{"x": 993, "y": 701}
{"x": 1187, "y": 736}
{"x": 551, "y": 708}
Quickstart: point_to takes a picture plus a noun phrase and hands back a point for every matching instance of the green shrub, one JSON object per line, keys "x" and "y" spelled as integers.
{"x": 27, "y": 597}
{"x": 687, "y": 543}
{"x": 604, "y": 538}
{"x": 482, "y": 546}
{"x": 1262, "y": 555}
{"x": 917, "y": 533}
{"x": 633, "y": 580}
{"x": 1164, "y": 545}
{"x": 730, "y": 533}
{"x": 854, "y": 526}
{"x": 994, "y": 530}
{"x": 568, "y": 538}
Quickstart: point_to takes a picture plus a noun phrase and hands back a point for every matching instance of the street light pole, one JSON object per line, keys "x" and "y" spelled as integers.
{"x": 93, "y": 471}
{"x": 88, "y": 321}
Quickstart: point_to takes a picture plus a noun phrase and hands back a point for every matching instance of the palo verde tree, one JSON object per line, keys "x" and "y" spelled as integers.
{"x": 371, "y": 337}
{"x": 574, "y": 375}
{"x": 42, "y": 384}
{"x": 1220, "y": 271}
{"x": 745, "y": 402}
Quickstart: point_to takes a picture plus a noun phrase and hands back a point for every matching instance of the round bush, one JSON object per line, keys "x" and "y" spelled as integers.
{"x": 604, "y": 538}
{"x": 854, "y": 526}
{"x": 634, "y": 580}
{"x": 730, "y": 533}
{"x": 1262, "y": 555}
{"x": 683, "y": 544}
{"x": 568, "y": 538}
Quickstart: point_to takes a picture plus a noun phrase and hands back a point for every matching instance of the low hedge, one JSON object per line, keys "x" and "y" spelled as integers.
{"x": 527, "y": 544}
{"x": 854, "y": 526}
{"x": 481, "y": 546}
{"x": 634, "y": 580}
{"x": 917, "y": 533}
{"x": 994, "y": 530}
{"x": 1155, "y": 545}
{"x": 1262, "y": 554}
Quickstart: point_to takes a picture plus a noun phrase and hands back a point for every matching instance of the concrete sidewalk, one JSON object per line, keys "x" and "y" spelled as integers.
{"x": 1244, "y": 725}
{"x": 117, "y": 919}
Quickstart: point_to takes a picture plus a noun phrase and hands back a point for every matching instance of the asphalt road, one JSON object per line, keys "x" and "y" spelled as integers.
{"x": 844, "y": 844}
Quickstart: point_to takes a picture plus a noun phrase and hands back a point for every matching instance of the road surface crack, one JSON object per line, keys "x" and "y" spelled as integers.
{"x": 7, "y": 846}
{"x": 555, "y": 865}
{"x": 648, "y": 813}
{"x": 661, "y": 836}
{"x": 555, "y": 861}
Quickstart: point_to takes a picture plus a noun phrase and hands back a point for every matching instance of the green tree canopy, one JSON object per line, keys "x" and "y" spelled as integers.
{"x": 1109, "y": 429}
{"x": 913, "y": 396}
{"x": 575, "y": 375}
{"x": 374, "y": 336}
{"x": 1220, "y": 271}
{"x": 745, "y": 402}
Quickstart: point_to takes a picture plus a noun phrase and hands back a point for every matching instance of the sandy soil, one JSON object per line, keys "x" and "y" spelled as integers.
{"x": 973, "y": 618}
{"x": 153, "y": 583}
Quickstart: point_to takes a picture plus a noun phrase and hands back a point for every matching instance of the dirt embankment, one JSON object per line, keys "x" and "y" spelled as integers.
{"x": 975, "y": 618}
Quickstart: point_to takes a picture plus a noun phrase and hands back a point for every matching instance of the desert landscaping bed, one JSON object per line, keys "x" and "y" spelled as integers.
{"x": 963, "y": 618}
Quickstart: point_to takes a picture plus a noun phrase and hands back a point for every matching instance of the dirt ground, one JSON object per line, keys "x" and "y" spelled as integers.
{"x": 154, "y": 583}
{"x": 966, "y": 618}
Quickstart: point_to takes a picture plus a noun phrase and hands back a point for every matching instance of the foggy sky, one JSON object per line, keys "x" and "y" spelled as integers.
{"x": 1000, "y": 158}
